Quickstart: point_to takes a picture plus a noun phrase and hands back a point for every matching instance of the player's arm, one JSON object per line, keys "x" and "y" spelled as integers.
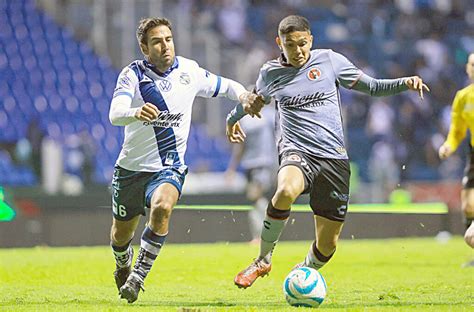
{"x": 457, "y": 129}
{"x": 351, "y": 77}
{"x": 210, "y": 85}
{"x": 250, "y": 103}
{"x": 384, "y": 87}
{"x": 121, "y": 112}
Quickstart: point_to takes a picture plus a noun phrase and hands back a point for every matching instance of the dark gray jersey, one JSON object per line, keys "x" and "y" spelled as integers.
{"x": 308, "y": 102}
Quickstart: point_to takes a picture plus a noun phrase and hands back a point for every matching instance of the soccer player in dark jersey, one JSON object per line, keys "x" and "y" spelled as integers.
{"x": 462, "y": 119}
{"x": 305, "y": 85}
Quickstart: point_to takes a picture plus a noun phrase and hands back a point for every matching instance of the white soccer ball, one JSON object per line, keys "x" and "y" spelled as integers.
{"x": 304, "y": 287}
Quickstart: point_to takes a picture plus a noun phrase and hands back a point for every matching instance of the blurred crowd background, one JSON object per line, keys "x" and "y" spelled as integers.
{"x": 59, "y": 60}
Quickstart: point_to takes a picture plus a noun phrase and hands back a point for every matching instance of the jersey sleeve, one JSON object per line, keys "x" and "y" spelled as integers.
{"x": 121, "y": 113}
{"x": 261, "y": 86}
{"x": 351, "y": 77}
{"x": 209, "y": 85}
{"x": 347, "y": 74}
{"x": 458, "y": 127}
{"x": 126, "y": 83}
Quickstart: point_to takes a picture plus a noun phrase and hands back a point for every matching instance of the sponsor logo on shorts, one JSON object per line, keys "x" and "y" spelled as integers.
{"x": 339, "y": 196}
{"x": 293, "y": 157}
{"x": 342, "y": 210}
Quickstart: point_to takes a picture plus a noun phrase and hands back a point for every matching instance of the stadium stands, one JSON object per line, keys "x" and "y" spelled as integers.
{"x": 49, "y": 76}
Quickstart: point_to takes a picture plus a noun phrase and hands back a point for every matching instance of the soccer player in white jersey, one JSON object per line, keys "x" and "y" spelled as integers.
{"x": 305, "y": 85}
{"x": 153, "y": 100}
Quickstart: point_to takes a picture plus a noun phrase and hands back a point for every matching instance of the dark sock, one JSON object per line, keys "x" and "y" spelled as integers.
{"x": 150, "y": 247}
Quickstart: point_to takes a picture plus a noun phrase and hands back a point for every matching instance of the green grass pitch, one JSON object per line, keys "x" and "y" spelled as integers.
{"x": 365, "y": 275}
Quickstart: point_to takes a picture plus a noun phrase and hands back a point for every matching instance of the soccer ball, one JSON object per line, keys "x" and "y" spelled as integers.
{"x": 304, "y": 287}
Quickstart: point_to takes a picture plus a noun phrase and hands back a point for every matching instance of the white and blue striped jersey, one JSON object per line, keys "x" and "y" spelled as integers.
{"x": 153, "y": 146}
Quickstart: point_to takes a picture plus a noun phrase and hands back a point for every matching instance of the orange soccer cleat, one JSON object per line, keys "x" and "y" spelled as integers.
{"x": 258, "y": 268}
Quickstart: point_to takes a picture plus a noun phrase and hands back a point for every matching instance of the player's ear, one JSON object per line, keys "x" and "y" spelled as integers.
{"x": 278, "y": 42}
{"x": 144, "y": 48}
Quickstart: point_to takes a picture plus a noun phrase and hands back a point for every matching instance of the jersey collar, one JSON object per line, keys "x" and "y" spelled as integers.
{"x": 283, "y": 61}
{"x": 167, "y": 72}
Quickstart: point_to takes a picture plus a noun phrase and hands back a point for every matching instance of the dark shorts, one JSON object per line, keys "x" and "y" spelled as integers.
{"x": 468, "y": 179}
{"x": 326, "y": 181}
{"x": 132, "y": 190}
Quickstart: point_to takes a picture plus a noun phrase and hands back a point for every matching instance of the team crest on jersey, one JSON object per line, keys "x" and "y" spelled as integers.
{"x": 314, "y": 73}
{"x": 165, "y": 85}
{"x": 184, "y": 78}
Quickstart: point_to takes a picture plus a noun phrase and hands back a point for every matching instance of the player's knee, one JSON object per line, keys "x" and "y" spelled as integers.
{"x": 287, "y": 192}
{"x": 121, "y": 236}
{"x": 161, "y": 209}
{"x": 468, "y": 209}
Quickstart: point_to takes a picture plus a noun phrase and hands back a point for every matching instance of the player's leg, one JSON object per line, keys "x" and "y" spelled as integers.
{"x": 329, "y": 202}
{"x": 291, "y": 183}
{"x": 128, "y": 203}
{"x": 162, "y": 195}
{"x": 467, "y": 199}
{"x": 121, "y": 235}
{"x": 324, "y": 247}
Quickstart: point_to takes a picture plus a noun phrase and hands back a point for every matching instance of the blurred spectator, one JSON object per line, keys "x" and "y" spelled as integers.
{"x": 257, "y": 155}
{"x": 35, "y": 135}
{"x": 384, "y": 171}
{"x": 380, "y": 120}
{"x": 231, "y": 20}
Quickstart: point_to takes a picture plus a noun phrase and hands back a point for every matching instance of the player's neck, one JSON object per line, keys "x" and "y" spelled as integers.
{"x": 162, "y": 70}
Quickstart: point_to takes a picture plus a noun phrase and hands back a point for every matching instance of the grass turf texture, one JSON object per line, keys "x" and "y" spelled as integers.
{"x": 365, "y": 275}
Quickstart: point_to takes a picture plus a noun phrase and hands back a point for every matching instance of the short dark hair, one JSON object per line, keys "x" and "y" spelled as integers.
{"x": 148, "y": 23}
{"x": 293, "y": 23}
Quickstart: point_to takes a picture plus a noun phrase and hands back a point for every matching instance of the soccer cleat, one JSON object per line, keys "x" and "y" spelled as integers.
{"x": 131, "y": 288}
{"x": 258, "y": 268}
{"x": 121, "y": 275}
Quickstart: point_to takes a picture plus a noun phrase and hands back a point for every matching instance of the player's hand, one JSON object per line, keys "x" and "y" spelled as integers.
{"x": 147, "y": 112}
{"x": 415, "y": 83}
{"x": 234, "y": 133}
{"x": 444, "y": 151}
{"x": 252, "y": 103}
